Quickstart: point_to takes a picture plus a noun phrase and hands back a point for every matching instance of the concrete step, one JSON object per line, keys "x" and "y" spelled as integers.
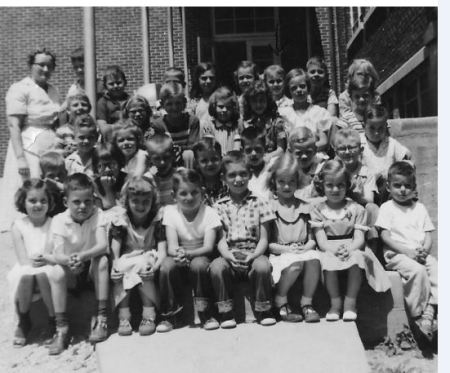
{"x": 322, "y": 347}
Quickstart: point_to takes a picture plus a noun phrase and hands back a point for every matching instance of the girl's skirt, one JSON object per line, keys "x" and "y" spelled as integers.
{"x": 283, "y": 261}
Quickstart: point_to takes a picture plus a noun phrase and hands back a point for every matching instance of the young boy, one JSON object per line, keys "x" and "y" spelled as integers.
{"x": 110, "y": 104}
{"x": 86, "y": 135}
{"x": 54, "y": 173}
{"x": 246, "y": 221}
{"x": 253, "y": 144}
{"x": 171, "y": 75}
{"x": 162, "y": 166}
{"x": 380, "y": 150}
{"x": 302, "y": 144}
{"x": 80, "y": 248}
{"x": 406, "y": 232}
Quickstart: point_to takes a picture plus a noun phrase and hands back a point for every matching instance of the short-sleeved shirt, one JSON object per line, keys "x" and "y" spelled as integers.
{"x": 316, "y": 118}
{"x": 242, "y": 222}
{"x": 191, "y": 234}
{"x": 273, "y": 129}
{"x": 406, "y": 224}
{"x": 185, "y": 136}
{"x": 164, "y": 189}
{"x": 40, "y": 107}
{"x": 227, "y": 135}
{"x": 109, "y": 109}
{"x": 74, "y": 164}
{"x": 139, "y": 157}
{"x": 70, "y": 237}
{"x": 379, "y": 159}
{"x": 363, "y": 181}
{"x": 328, "y": 98}
{"x": 348, "y": 119}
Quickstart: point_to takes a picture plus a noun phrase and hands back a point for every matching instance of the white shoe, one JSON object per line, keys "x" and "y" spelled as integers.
{"x": 349, "y": 315}
{"x": 332, "y": 315}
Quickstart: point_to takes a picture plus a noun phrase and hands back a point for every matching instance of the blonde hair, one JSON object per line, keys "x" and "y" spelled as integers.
{"x": 302, "y": 136}
{"x": 286, "y": 164}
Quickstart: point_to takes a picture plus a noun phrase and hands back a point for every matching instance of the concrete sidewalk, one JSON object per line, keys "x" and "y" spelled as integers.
{"x": 313, "y": 348}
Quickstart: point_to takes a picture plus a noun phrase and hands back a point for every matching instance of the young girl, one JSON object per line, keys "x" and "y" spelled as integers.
{"x": 274, "y": 76}
{"x": 208, "y": 161}
{"x": 203, "y": 85}
{"x": 183, "y": 127}
{"x": 138, "y": 110}
{"x": 191, "y": 230}
{"x": 138, "y": 248}
{"x": 292, "y": 250}
{"x": 260, "y": 111}
{"x": 339, "y": 225}
{"x": 224, "y": 124}
{"x": 245, "y": 74}
{"x": 302, "y": 113}
{"x": 321, "y": 93}
{"x": 126, "y": 146}
{"x": 31, "y": 238}
{"x": 362, "y": 73}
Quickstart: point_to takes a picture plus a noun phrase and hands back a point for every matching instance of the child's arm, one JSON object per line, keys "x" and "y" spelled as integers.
{"x": 332, "y": 109}
{"x": 208, "y": 245}
{"x": 359, "y": 240}
{"x": 278, "y": 249}
{"x": 116, "y": 244}
{"x": 162, "y": 253}
{"x": 19, "y": 246}
{"x": 322, "y": 241}
{"x": 172, "y": 241}
{"x": 58, "y": 251}
{"x": 99, "y": 248}
{"x": 263, "y": 242}
{"x": 395, "y": 245}
{"x": 141, "y": 164}
{"x": 224, "y": 250}
{"x": 428, "y": 242}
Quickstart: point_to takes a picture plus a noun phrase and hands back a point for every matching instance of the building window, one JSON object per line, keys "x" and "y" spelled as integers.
{"x": 243, "y": 20}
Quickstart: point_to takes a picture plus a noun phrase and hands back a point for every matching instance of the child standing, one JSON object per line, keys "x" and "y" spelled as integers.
{"x": 380, "y": 149}
{"x": 80, "y": 248}
{"x": 260, "y": 111}
{"x": 162, "y": 166}
{"x": 183, "y": 127}
{"x": 274, "y": 76}
{"x": 31, "y": 239}
{"x": 138, "y": 248}
{"x": 302, "y": 113}
{"x": 203, "y": 85}
{"x": 321, "y": 93}
{"x": 406, "y": 232}
{"x": 339, "y": 225}
{"x": 126, "y": 146}
{"x": 86, "y": 136}
{"x": 110, "y": 104}
{"x": 245, "y": 74}
{"x": 191, "y": 231}
{"x": 224, "y": 123}
{"x": 292, "y": 247}
{"x": 246, "y": 221}
{"x": 207, "y": 161}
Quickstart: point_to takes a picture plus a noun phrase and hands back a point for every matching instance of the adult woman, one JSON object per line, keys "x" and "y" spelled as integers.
{"x": 32, "y": 107}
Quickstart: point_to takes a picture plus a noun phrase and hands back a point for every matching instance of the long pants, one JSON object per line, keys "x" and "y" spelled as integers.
{"x": 223, "y": 275}
{"x": 172, "y": 279}
{"x": 419, "y": 281}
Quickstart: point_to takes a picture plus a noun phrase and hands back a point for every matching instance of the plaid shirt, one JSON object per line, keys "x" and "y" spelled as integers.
{"x": 242, "y": 222}
{"x": 273, "y": 129}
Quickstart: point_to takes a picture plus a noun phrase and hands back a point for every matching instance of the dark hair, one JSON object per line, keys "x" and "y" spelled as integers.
{"x": 322, "y": 94}
{"x": 137, "y": 101}
{"x": 353, "y": 86}
{"x": 252, "y": 134}
{"x": 77, "y": 54}
{"x": 403, "y": 168}
{"x": 53, "y": 160}
{"x": 32, "y": 56}
{"x": 115, "y": 72}
{"x": 21, "y": 194}
{"x": 376, "y": 111}
{"x": 233, "y": 157}
{"x": 332, "y": 167}
{"x": 186, "y": 175}
{"x": 78, "y": 181}
{"x": 104, "y": 153}
{"x": 207, "y": 143}
{"x": 201, "y": 68}
{"x": 299, "y": 136}
{"x": 259, "y": 87}
{"x": 171, "y": 90}
{"x": 293, "y": 74}
{"x": 85, "y": 121}
{"x": 225, "y": 94}
{"x": 125, "y": 126}
{"x": 176, "y": 72}
{"x": 245, "y": 65}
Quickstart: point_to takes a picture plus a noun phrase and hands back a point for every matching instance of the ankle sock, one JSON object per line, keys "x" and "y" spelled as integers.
{"x": 148, "y": 313}
{"x": 280, "y": 300}
{"x": 102, "y": 307}
{"x": 61, "y": 320}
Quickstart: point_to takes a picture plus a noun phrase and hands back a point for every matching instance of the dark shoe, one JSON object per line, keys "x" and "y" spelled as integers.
{"x": 60, "y": 342}
{"x": 405, "y": 340}
{"x": 147, "y": 327}
{"x": 266, "y": 318}
{"x": 124, "y": 328}
{"x": 99, "y": 329}
{"x": 22, "y": 330}
{"x": 287, "y": 315}
{"x": 310, "y": 314}
{"x": 50, "y": 331}
{"x": 164, "y": 326}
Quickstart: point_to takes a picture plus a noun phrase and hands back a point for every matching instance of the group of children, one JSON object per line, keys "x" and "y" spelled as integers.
{"x": 264, "y": 186}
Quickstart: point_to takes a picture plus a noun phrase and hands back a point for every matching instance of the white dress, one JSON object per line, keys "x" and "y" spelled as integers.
{"x": 36, "y": 241}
